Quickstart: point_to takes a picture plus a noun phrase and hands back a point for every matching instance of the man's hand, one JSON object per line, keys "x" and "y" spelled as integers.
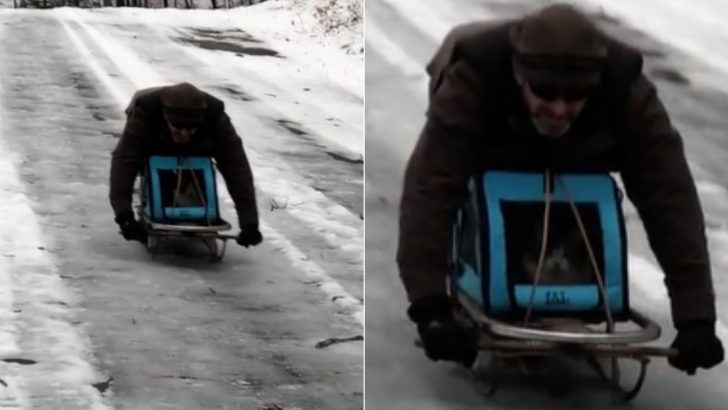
{"x": 131, "y": 230}
{"x": 697, "y": 346}
{"x": 443, "y": 337}
{"x": 249, "y": 236}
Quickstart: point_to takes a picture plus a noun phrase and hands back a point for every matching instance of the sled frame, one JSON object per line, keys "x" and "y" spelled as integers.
{"x": 209, "y": 234}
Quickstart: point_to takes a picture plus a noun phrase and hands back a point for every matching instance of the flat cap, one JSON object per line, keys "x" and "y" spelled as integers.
{"x": 183, "y": 105}
{"x": 558, "y": 43}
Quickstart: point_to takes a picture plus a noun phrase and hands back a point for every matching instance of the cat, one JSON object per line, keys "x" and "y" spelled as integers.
{"x": 566, "y": 261}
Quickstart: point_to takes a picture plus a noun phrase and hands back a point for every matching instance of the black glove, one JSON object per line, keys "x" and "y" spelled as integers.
{"x": 131, "y": 230}
{"x": 443, "y": 337}
{"x": 249, "y": 236}
{"x": 697, "y": 346}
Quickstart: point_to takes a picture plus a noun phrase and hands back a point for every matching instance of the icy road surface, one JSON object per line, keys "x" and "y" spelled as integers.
{"x": 81, "y": 307}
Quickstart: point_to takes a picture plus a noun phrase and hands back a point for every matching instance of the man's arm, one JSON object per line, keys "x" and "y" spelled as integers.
{"x": 659, "y": 183}
{"x": 436, "y": 179}
{"x": 127, "y": 161}
{"x": 235, "y": 169}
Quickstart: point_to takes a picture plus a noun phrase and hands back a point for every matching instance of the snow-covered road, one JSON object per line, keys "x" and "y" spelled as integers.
{"x": 81, "y": 306}
{"x": 401, "y": 37}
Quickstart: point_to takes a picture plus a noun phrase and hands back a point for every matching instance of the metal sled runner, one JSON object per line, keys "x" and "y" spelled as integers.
{"x": 539, "y": 265}
{"x": 178, "y": 199}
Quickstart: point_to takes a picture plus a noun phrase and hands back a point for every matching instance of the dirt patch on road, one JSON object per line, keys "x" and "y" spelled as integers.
{"x": 225, "y": 34}
{"x": 235, "y": 92}
{"x": 292, "y": 127}
{"x": 233, "y": 41}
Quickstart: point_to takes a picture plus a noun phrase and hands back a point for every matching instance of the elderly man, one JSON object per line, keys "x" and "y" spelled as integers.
{"x": 550, "y": 91}
{"x": 181, "y": 120}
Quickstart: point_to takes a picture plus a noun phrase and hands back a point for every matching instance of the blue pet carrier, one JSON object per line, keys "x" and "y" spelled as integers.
{"x": 498, "y": 235}
{"x": 167, "y": 176}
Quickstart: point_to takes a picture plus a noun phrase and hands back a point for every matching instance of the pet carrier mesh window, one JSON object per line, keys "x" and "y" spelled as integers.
{"x": 566, "y": 276}
{"x": 512, "y": 206}
{"x": 182, "y": 189}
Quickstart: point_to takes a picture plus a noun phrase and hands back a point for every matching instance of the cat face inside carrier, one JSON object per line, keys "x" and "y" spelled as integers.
{"x": 182, "y": 188}
{"x": 566, "y": 260}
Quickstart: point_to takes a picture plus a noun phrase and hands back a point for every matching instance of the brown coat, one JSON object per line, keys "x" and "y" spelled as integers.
{"x": 476, "y": 120}
{"x": 146, "y": 134}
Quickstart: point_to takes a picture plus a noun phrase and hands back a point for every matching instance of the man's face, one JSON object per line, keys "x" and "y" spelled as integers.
{"x": 180, "y": 135}
{"x": 553, "y": 108}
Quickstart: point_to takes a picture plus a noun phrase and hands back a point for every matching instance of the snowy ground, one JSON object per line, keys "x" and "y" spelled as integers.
{"x": 686, "y": 55}
{"x": 81, "y": 306}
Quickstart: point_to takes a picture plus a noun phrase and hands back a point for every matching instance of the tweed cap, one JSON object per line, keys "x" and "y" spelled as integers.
{"x": 183, "y": 105}
{"x": 558, "y": 44}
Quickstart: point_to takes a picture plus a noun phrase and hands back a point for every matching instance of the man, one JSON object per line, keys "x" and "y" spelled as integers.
{"x": 550, "y": 91}
{"x": 181, "y": 120}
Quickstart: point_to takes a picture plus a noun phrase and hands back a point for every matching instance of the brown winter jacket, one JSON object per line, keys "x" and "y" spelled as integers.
{"x": 146, "y": 134}
{"x": 476, "y": 121}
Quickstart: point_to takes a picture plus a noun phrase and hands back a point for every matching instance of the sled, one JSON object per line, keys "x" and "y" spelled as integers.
{"x": 539, "y": 268}
{"x": 178, "y": 199}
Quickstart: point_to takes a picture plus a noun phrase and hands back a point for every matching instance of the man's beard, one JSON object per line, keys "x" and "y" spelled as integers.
{"x": 543, "y": 122}
{"x": 180, "y": 139}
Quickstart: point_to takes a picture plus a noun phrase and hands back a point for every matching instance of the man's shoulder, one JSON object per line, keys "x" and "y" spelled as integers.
{"x": 214, "y": 104}
{"x": 147, "y": 98}
{"x": 624, "y": 61}
{"x": 476, "y": 36}
{"x": 477, "y": 42}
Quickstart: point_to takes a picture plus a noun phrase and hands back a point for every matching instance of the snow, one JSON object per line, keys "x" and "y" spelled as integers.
{"x": 37, "y": 308}
{"x": 116, "y": 91}
{"x": 696, "y": 28}
{"x": 435, "y": 18}
{"x": 647, "y": 277}
{"x": 327, "y": 284}
{"x": 322, "y": 71}
{"x": 391, "y": 51}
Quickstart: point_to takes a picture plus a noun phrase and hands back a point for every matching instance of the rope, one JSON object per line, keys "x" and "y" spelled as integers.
{"x": 544, "y": 243}
{"x": 198, "y": 190}
{"x": 592, "y": 259}
{"x": 202, "y": 197}
{"x": 177, "y": 188}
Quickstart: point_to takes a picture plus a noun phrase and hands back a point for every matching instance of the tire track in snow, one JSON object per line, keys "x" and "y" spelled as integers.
{"x": 341, "y": 235}
{"x": 37, "y": 307}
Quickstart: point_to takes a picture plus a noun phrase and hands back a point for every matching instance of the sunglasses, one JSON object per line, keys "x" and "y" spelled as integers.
{"x": 181, "y": 127}
{"x": 550, "y": 92}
